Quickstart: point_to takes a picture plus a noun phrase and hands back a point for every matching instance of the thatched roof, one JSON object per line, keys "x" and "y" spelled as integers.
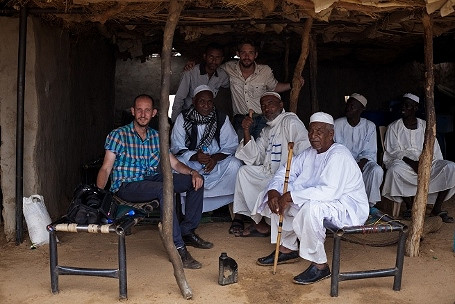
{"x": 385, "y": 30}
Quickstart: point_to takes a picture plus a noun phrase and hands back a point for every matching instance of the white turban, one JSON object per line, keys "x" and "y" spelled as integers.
{"x": 201, "y": 88}
{"x": 412, "y": 97}
{"x": 272, "y": 94}
{"x": 359, "y": 98}
{"x": 321, "y": 117}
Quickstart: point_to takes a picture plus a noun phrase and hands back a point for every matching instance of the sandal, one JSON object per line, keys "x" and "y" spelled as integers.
{"x": 237, "y": 227}
{"x": 446, "y": 218}
{"x": 253, "y": 232}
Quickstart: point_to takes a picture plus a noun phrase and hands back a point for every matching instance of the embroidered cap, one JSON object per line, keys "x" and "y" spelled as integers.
{"x": 201, "y": 88}
{"x": 321, "y": 117}
{"x": 359, "y": 98}
{"x": 412, "y": 97}
{"x": 272, "y": 94}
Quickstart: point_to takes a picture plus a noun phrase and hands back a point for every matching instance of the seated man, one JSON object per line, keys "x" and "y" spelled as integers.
{"x": 204, "y": 139}
{"x": 359, "y": 136}
{"x": 208, "y": 73}
{"x": 403, "y": 145}
{"x": 325, "y": 184}
{"x": 133, "y": 156}
{"x": 262, "y": 157}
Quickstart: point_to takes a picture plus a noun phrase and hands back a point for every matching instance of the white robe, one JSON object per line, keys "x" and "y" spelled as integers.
{"x": 400, "y": 179}
{"x": 362, "y": 142}
{"x": 263, "y": 156}
{"x": 325, "y": 186}
{"x": 219, "y": 183}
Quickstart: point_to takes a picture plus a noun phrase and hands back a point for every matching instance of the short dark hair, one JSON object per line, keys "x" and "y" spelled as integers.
{"x": 247, "y": 41}
{"x": 214, "y": 46}
{"x": 142, "y": 96}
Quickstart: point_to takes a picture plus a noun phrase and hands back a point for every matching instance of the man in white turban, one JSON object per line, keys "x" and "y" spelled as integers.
{"x": 262, "y": 157}
{"x": 204, "y": 139}
{"x": 359, "y": 136}
{"x": 325, "y": 184}
{"x": 403, "y": 145}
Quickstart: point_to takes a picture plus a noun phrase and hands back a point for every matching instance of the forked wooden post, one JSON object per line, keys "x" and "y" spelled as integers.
{"x": 423, "y": 177}
{"x": 175, "y": 8}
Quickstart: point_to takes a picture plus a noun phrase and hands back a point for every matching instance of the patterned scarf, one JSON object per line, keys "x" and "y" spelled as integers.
{"x": 191, "y": 117}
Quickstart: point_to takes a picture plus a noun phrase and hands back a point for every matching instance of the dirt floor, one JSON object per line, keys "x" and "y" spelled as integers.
{"x": 429, "y": 278}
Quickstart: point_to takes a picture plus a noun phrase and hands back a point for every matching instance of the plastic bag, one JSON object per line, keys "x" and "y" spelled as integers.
{"x": 37, "y": 218}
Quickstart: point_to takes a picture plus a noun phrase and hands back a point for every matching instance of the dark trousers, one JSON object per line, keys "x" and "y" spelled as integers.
{"x": 152, "y": 188}
{"x": 259, "y": 122}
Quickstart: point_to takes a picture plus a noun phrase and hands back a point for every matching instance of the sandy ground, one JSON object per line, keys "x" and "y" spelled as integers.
{"x": 429, "y": 278}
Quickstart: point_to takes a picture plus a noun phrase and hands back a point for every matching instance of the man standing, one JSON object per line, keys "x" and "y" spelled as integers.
{"x": 204, "y": 139}
{"x": 133, "y": 156}
{"x": 359, "y": 136}
{"x": 208, "y": 73}
{"x": 249, "y": 81}
{"x": 403, "y": 145}
{"x": 262, "y": 157}
{"x": 325, "y": 184}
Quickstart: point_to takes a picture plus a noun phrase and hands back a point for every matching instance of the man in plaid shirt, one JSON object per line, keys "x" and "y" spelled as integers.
{"x": 132, "y": 160}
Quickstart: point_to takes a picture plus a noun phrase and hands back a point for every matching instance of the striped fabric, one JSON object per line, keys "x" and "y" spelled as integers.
{"x": 135, "y": 158}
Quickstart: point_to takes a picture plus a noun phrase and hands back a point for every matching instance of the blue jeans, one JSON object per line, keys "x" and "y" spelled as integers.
{"x": 259, "y": 122}
{"x": 152, "y": 188}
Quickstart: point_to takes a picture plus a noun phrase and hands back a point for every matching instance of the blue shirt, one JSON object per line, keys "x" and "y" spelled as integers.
{"x": 134, "y": 158}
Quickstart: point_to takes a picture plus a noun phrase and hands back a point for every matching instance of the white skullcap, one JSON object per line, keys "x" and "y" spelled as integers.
{"x": 201, "y": 88}
{"x": 272, "y": 94}
{"x": 321, "y": 117}
{"x": 412, "y": 97}
{"x": 359, "y": 98}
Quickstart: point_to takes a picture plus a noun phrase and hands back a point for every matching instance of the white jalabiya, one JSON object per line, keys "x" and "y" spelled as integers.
{"x": 400, "y": 179}
{"x": 325, "y": 186}
{"x": 263, "y": 156}
{"x": 361, "y": 141}
{"x": 219, "y": 183}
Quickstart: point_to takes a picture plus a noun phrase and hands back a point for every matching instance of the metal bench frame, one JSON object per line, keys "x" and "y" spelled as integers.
{"x": 396, "y": 271}
{"x": 120, "y": 273}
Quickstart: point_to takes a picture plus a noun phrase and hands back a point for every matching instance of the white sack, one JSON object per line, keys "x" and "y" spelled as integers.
{"x": 37, "y": 218}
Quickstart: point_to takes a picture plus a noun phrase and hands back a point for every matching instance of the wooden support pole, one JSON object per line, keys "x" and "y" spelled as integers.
{"x": 420, "y": 202}
{"x": 175, "y": 8}
{"x": 296, "y": 85}
{"x": 313, "y": 74}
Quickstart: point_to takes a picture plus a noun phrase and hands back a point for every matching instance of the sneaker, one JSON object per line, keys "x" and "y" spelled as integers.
{"x": 188, "y": 261}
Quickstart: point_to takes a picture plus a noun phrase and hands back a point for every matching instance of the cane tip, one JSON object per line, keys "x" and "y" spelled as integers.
{"x": 291, "y": 145}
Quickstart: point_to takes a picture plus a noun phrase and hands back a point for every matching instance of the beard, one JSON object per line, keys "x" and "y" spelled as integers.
{"x": 246, "y": 64}
{"x": 142, "y": 122}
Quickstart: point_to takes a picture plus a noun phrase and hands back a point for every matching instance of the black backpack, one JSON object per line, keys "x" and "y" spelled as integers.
{"x": 91, "y": 205}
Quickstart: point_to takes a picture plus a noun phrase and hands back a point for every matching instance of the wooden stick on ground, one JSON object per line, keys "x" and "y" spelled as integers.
{"x": 285, "y": 189}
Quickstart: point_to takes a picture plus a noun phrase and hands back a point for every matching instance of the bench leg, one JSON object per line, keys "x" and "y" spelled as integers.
{"x": 122, "y": 266}
{"x": 53, "y": 261}
{"x": 399, "y": 261}
{"x": 335, "y": 266}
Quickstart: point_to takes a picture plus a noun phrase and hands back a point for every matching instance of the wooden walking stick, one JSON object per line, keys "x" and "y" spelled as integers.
{"x": 285, "y": 189}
